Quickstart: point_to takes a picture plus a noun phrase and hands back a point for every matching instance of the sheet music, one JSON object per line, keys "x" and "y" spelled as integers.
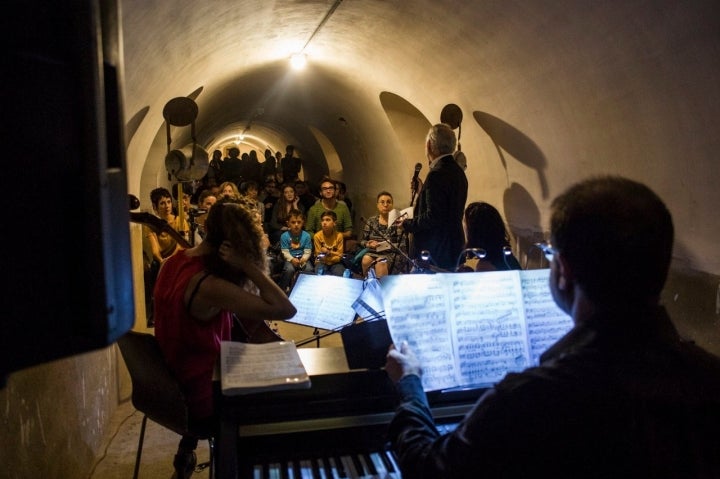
{"x": 324, "y": 301}
{"x": 419, "y": 307}
{"x": 247, "y": 368}
{"x": 370, "y": 304}
{"x": 489, "y": 331}
{"x": 394, "y": 214}
{"x": 473, "y": 328}
{"x": 545, "y": 321}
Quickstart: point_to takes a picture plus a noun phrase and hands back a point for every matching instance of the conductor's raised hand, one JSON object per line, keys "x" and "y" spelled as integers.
{"x": 401, "y": 362}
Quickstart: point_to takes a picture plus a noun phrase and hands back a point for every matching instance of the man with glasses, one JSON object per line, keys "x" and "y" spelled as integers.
{"x": 328, "y": 202}
{"x": 620, "y": 395}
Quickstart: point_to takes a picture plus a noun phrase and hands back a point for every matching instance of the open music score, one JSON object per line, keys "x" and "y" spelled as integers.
{"x": 247, "y": 368}
{"x": 470, "y": 329}
{"x": 324, "y": 301}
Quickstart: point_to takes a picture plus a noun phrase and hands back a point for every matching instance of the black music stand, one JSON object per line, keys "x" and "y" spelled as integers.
{"x": 366, "y": 344}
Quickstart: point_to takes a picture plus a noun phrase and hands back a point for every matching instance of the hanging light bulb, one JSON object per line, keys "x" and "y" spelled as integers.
{"x": 298, "y": 61}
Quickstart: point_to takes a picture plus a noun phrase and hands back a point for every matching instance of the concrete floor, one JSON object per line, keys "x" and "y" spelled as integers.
{"x": 159, "y": 447}
{"x": 118, "y": 460}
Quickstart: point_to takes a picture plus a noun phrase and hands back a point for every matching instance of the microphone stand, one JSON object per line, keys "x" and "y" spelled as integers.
{"x": 414, "y": 192}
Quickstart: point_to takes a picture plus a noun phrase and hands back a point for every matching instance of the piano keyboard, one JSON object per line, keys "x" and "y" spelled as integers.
{"x": 379, "y": 464}
{"x": 375, "y": 465}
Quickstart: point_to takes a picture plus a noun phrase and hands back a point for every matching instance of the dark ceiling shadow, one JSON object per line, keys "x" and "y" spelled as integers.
{"x": 131, "y": 127}
{"x": 508, "y": 138}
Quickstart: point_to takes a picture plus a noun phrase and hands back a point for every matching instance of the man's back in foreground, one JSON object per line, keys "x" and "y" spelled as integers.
{"x": 619, "y": 396}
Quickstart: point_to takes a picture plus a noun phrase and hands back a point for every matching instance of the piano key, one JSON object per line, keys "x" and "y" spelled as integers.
{"x": 325, "y": 470}
{"x": 337, "y": 467}
{"x": 395, "y": 473}
{"x": 319, "y": 468}
{"x": 349, "y": 467}
{"x": 380, "y": 468}
{"x": 306, "y": 469}
{"x": 367, "y": 465}
{"x": 274, "y": 471}
{"x": 388, "y": 458}
{"x": 359, "y": 467}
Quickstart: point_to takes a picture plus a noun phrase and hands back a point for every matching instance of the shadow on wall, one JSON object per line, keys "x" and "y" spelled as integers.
{"x": 521, "y": 209}
{"x": 408, "y": 123}
{"x": 509, "y": 139}
{"x": 133, "y": 124}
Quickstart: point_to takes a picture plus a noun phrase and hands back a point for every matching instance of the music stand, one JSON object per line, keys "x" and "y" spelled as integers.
{"x": 366, "y": 344}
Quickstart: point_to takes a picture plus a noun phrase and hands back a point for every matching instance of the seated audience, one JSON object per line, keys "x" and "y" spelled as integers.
{"x": 377, "y": 231}
{"x": 158, "y": 247}
{"x": 199, "y": 293}
{"x": 269, "y": 196}
{"x": 485, "y": 229}
{"x": 620, "y": 395}
{"x": 287, "y": 203}
{"x": 205, "y": 201}
{"x": 249, "y": 189}
{"x": 343, "y": 196}
{"x": 328, "y": 244}
{"x": 307, "y": 199}
{"x": 296, "y": 247}
{"x": 329, "y": 202}
{"x": 228, "y": 189}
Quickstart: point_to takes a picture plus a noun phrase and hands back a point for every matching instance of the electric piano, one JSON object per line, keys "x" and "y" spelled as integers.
{"x": 335, "y": 429}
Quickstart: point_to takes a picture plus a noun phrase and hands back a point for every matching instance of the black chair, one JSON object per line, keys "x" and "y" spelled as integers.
{"x": 156, "y": 392}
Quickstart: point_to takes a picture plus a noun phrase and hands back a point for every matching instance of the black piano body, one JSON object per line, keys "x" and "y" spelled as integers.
{"x": 337, "y": 428}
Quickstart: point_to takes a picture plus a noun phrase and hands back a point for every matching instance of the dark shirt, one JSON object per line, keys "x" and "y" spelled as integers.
{"x": 606, "y": 402}
{"x": 233, "y": 169}
{"x": 252, "y": 171}
{"x": 308, "y": 200}
{"x": 290, "y": 166}
{"x": 436, "y": 225}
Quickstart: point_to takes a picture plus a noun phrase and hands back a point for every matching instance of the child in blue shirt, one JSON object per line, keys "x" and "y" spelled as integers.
{"x": 296, "y": 247}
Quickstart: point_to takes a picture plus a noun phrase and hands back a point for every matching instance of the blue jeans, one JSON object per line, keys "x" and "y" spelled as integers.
{"x": 288, "y": 273}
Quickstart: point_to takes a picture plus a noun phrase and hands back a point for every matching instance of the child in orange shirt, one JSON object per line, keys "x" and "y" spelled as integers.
{"x": 330, "y": 243}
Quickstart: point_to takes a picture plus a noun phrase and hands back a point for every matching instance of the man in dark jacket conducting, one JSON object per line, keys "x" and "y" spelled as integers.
{"x": 436, "y": 225}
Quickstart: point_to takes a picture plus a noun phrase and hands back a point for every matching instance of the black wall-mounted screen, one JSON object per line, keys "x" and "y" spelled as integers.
{"x": 66, "y": 241}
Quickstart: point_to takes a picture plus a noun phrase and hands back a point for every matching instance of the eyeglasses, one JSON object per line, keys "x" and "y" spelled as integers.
{"x": 385, "y": 202}
{"x": 547, "y": 250}
{"x": 328, "y": 188}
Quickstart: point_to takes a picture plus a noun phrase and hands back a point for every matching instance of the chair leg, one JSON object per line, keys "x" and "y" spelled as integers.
{"x": 140, "y": 446}
{"x": 211, "y": 447}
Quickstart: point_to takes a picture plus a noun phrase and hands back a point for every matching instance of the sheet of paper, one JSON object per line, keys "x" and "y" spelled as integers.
{"x": 489, "y": 329}
{"x": 324, "y": 301}
{"x": 247, "y": 368}
{"x": 546, "y": 323}
{"x": 370, "y": 304}
{"x": 418, "y": 311}
{"x": 471, "y": 329}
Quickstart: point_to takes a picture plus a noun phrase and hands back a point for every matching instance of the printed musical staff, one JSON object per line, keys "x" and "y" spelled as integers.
{"x": 473, "y": 328}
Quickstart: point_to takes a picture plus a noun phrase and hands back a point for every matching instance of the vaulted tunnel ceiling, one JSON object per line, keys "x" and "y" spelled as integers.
{"x": 551, "y": 92}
